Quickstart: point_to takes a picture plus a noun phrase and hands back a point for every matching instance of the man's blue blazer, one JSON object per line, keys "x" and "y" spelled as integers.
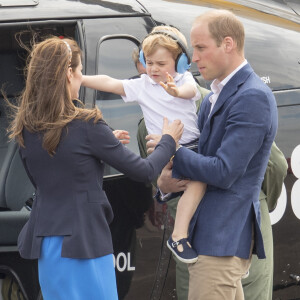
{"x": 234, "y": 148}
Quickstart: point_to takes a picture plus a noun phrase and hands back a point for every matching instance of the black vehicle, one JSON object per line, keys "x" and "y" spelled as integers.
{"x": 108, "y": 32}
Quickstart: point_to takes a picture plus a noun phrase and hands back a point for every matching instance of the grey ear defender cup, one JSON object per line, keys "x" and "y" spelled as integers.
{"x": 183, "y": 61}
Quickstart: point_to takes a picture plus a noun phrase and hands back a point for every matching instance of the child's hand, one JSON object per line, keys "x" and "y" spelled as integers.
{"x": 152, "y": 141}
{"x": 170, "y": 86}
{"x": 122, "y": 135}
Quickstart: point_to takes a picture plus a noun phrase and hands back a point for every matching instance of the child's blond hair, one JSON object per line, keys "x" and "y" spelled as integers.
{"x": 154, "y": 41}
{"x": 135, "y": 56}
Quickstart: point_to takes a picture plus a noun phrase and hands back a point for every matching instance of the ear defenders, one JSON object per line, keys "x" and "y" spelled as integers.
{"x": 182, "y": 62}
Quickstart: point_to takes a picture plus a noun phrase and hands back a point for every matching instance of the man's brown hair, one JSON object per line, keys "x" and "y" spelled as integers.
{"x": 223, "y": 23}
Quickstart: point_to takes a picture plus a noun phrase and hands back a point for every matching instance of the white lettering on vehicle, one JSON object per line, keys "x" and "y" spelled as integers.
{"x": 123, "y": 262}
{"x": 278, "y": 212}
{"x": 295, "y": 193}
{"x": 266, "y": 79}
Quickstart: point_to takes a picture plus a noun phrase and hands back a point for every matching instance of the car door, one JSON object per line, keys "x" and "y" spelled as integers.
{"x": 138, "y": 227}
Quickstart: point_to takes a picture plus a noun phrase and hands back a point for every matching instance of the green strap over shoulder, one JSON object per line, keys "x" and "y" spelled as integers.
{"x": 274, "y": 176}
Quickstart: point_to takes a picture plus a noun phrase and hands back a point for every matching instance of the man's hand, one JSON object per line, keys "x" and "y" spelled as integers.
{"x": 152, "y": 141}
{"x": 122, "y": 135}
{"x": 167, "y": 184}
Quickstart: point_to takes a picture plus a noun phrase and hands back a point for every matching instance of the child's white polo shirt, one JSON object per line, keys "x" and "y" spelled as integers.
{"x": 156, "y": 103}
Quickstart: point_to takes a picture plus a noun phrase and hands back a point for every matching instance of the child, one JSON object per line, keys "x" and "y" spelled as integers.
{"x": 164, "y": 92}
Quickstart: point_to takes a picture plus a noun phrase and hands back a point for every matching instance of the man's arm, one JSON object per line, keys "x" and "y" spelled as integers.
{"x": 245, "y": 128}
{"x": 274, "y": 176}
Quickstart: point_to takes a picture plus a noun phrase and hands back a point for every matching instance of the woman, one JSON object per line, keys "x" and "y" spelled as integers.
{"x": 64, "y": 149}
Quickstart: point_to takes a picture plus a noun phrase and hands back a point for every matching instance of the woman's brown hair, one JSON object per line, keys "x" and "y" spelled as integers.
{"x": 46, "y": 105}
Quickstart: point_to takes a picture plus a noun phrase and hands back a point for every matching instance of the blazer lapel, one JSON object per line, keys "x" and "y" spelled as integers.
{"x": 228, "y": 90}
{"x": 202, "y": 120}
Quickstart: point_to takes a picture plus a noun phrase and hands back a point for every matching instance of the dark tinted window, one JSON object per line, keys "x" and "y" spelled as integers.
{"x": 13, "y": 61}
{"x": 115, "y": 59}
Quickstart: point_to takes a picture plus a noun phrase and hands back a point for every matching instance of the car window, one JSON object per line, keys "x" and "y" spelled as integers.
{"x": 115, "y": 59}
{"x": 13, "y": 56}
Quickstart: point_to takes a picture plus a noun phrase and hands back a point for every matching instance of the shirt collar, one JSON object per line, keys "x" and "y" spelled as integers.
{"x": 217, "y": 86}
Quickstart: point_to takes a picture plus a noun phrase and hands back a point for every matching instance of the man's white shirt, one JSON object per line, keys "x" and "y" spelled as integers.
{"x": 217, "y": 86}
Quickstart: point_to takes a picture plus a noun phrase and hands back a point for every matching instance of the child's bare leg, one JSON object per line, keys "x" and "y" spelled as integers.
{"x": 186, "y": 208}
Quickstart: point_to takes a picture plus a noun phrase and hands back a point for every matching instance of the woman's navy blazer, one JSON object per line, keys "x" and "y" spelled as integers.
{"x": 70, "y": 201}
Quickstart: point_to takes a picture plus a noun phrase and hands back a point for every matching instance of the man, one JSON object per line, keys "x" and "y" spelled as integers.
{"x": 238, "y": 123}
{"x": 259, "y": 284}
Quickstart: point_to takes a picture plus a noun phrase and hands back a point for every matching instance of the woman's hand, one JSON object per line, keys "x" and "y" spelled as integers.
{"x": 122, "y": 135}
{"x": 175, "y": 129}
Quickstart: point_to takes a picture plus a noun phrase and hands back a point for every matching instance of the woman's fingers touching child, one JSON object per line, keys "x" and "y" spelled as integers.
{"x": 175, "y": 129}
